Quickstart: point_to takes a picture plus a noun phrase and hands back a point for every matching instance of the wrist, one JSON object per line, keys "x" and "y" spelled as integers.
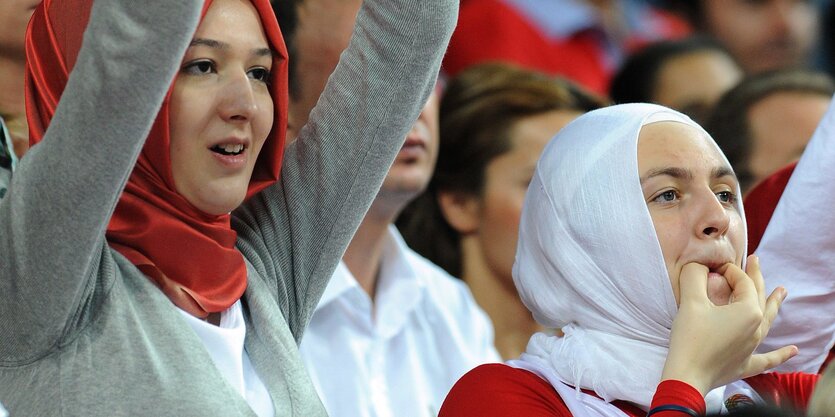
{"x": 688, "y": 377}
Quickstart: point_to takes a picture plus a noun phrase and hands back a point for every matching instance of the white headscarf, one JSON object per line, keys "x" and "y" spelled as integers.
{"x": 589, "y": 262}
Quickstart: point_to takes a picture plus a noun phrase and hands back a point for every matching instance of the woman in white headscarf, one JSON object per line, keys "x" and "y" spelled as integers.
{"x": 632, "y": 241}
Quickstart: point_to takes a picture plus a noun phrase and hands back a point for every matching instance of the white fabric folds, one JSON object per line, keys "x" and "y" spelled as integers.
{"x": 797, "y": 252}
{"x": 589, "y": 261}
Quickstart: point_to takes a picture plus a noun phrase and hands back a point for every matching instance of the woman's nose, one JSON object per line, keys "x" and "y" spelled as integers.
{"x": 237, "y": 101}
{"x": 713, "y": 219}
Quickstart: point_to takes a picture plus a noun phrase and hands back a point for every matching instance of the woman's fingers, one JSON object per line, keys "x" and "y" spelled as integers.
{"x": 759, "y": 363}
{"x": 742, "y": 286}
{"x": 693, "y": 283}
{"x": 755, "y": 273}
{"x": 772, "y": 307}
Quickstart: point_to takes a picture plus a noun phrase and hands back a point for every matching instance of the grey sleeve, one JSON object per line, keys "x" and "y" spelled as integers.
{"x": 54, "y": 216}
{"x": 296, "y": 231}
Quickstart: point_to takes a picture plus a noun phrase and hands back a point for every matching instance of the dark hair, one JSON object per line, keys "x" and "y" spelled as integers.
{"x": 690, "y": 10}
{"x": 728, "y": 123}
{"x": 478, "y": 109}
{"x": 637, "y": 79}
{"x": 286, "y": 13}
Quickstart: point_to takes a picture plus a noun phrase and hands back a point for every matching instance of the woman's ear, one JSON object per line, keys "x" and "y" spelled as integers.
{"x": 460, "y": 210}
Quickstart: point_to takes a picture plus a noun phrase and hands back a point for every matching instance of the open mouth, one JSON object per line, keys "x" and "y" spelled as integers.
{"x": 228, "y": 150}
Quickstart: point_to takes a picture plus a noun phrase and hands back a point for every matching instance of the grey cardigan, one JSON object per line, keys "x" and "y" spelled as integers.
{"x": 82, "y": 331}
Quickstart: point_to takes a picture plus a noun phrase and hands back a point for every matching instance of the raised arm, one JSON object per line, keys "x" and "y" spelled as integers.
{"x": 53, "y": 219}
{"x": 297, "y": 231}
{"x": 797, "y": 252}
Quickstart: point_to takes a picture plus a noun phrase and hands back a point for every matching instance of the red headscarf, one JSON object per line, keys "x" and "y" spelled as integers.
{"x": 191, "y": 255}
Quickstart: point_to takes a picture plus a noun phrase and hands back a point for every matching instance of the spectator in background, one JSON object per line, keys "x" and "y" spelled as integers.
{"x": 495, "y": 121}
{"x": 583, "y": 40}
{"x": 319, "y": 30}
{"x": 688, "y": 75}
{"x": 762, "y": 35}
{"x": 765, "y": 122}
{"x": 14, "y": 133}
{"x": 392, "y": 332}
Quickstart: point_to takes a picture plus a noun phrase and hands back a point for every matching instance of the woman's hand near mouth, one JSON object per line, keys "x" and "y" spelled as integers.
{"x": 712, "y": 345}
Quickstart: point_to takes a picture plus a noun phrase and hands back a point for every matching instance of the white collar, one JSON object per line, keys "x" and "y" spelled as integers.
{"x": 400, "y": 288}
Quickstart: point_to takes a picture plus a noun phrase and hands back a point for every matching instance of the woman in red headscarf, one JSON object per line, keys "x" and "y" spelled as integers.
{"x": 128, "y": 286}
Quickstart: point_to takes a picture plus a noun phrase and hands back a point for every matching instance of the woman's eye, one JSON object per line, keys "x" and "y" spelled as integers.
{"x": 260, "y": 74}
{"x": 666, "y": 197}
{"x": 726, "y": 197}
{"x": 199, "y": 68}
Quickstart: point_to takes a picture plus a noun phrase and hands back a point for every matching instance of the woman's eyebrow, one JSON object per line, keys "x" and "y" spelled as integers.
{"x": 674, "y": 172}
{"x": 211, "y": 43}
{"x": 215, "y": 44}
{"x": 723, "y": 171}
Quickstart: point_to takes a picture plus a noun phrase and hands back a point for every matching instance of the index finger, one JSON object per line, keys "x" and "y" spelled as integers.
{"x": 755, "y": 273}
{"x": 742, "y": 286}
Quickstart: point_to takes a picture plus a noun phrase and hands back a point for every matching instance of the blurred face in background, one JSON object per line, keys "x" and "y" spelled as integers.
{"x": 14, "y": 16}
{"x": 780, "y": 126}
{"x": 506, "y": 179}
{"x": 692, "y": 83}
{"x": 413, "y": 167}
{"x": 323, "y": 32}
{"x": 764, "y": 34}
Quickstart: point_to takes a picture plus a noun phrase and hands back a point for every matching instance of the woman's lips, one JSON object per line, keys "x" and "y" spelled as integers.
{"x": 232, "y": 161}
{"x": 412, "y": 149}
{"x": 715, "y": 275}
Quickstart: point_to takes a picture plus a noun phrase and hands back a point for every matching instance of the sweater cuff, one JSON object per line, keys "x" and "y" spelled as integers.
{"x": 678, "y": 393}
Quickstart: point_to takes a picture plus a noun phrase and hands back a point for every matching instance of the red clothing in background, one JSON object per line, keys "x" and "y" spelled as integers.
{"x": 497, "y": 30}
{"x": 761, "y": 202}
{"x": 501, "y": 390}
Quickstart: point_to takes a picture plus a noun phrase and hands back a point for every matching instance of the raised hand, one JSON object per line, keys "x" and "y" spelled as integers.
{"x": 712, "y": 345}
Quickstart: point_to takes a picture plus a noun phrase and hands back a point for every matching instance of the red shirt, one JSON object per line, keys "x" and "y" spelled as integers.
{"x": 501, "y": 390}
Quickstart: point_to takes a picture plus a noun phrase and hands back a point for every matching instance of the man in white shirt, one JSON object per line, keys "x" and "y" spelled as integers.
{"x": 392, "y": 332}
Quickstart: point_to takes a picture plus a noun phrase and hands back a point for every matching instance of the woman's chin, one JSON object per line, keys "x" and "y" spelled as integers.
{"x": 218, "y": 204}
